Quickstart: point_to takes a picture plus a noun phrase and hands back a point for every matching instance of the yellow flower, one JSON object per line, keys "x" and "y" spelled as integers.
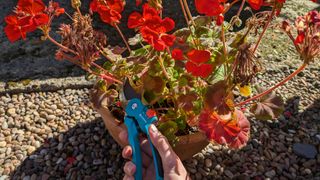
{"x": 245, "y": 90}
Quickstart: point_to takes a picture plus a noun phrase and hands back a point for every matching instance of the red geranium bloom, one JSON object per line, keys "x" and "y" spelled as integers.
{"x": 209, "y": 7}
{"x": 255, "y": 4}
{"x": 196, "y": 65}
{"x": 152, "y": 28}
{"x": 202, "y": 70}
{"x": 110, "y": 12}
{"x": 29, "y": 15}
{"x": 234, "y": 132}
{"x": 177, "y": 54}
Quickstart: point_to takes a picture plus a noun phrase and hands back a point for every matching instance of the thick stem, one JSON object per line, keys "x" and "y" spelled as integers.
{"x": 188, "y": 11}
{"x": 60, "y": 45}
{"x": 265, "y": 29}
{"x": 241, "y": 7}
{"x": 123, "y": 37}
{"x": 184, "y": 12}
{"x": 163, "y": 68}
{"x": 230, "y": 5}
{"x": 301, "y": 68}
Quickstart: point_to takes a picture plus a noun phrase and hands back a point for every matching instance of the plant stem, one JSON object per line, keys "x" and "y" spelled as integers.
{"x": 231, "y": 4}
{"x": 184, "y": 12}
{"x": 60, "y": 45}
{"x": 123, "y": 37}
{"x": 301, "y": 68}
{"x": 223, "y": 39}
{"x": 163, "y": 68}
{"x": 107, "y": 74}
{"x": 241, "y": 7}
{"x": 188, "y": 11}
{"x": 265, "y": 29}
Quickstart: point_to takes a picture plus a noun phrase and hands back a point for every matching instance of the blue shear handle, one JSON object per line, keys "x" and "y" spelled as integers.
{"x": 133, "y": 136}
{"x": 156, "y": 159}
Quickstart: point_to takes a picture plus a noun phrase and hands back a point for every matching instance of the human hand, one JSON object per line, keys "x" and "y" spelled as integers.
{"x": 172, "y": 165}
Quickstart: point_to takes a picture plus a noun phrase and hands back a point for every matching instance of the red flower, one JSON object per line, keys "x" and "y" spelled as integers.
{"x": 199, "y": 56}
{"x": 55, "y": 8}
{"x": 177, "y": 54}
{"x": 209, "y": 7}
{"x": 110, "y": 12}
{"x": 196, "y": 65}
{"x": 202, "y": 70}
{"x": 29, "y": 15}
{"x": 233, "y": 132}
{"x": 152, "y": 28}
{"x": 255, "y": 4}
{"x": 300, "y": 38}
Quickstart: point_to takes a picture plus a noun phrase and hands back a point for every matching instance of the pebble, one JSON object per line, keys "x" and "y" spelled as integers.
{"x": 305, "y": 150}
{"x": 208, "y": 163}
{"x": 11, "y": 111}
{"x": 4, "y": 125}
{"x": 270, "y": 174}
{"x": 3, "y": 144}
{"x": 228, "y": 173}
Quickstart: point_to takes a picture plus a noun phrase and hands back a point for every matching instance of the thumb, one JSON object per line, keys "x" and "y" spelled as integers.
{"x": 160, "y": 142}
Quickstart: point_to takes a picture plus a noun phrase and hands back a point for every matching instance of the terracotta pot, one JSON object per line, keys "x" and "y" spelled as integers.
{"x": 186, "y": 147}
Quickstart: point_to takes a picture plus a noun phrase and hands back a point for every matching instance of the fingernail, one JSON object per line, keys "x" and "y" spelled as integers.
{"x": 153, "y": 128}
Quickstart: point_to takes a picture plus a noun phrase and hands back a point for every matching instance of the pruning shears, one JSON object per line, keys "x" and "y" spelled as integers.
{"x": 138, "y": 119}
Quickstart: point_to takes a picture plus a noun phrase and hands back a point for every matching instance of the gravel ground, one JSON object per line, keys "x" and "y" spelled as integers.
{"x": 56, "y": 135}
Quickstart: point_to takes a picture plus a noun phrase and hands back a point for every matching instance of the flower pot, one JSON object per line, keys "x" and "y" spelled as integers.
{"x": 186, "y": 147}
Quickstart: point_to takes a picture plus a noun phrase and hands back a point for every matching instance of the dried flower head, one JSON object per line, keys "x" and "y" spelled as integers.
{"x": 81, "y": 38}
{"x": 246, "y": 65}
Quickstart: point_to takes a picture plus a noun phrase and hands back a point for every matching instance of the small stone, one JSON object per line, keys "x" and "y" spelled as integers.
{"x": 79, "y": 157}
{"x": 51, "y": 117}
{"x": 305, "y": 150}
{"x": 11, "y": 111}
{"x": 37, "y": 144}
{"x": 3, "y": 144}
{"x": 30, "y": 150}
{"x": 45, "y": 177}
{"x": 270, "y": 174}
{"x": 4, "y": 125}
{"x": 26, "y": 178}
{"x": 33, "y": 177}
{"x": 228, "y": 173}
{"x": 307, "y": 171}
{"x": 208, "y": 163}
{"x": 97, "y": 162}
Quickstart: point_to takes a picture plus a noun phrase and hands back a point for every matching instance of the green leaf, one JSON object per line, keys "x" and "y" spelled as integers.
{"x": 181, "y": 122}
{"x": 218, "y": 75}
{"x": 169, "y": 129}
{"x": 202, "y": 20}
{"x": 135, "y": 40}
{"x": 141, "y": 51}
{"x": 148, "y": 97}
{"x": 268, "y": 107}
{"x": 107, "y": 65}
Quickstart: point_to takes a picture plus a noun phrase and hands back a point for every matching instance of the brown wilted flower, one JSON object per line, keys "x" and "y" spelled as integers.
{"x": 82, "y": 39}
{"x": 245, "y": 65}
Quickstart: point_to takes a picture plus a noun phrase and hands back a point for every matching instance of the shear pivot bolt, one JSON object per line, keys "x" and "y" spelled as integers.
{"x": 134, "y": 106}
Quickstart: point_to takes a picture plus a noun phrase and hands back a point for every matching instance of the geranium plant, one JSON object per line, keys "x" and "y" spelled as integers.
{"x": 189, "y": 76}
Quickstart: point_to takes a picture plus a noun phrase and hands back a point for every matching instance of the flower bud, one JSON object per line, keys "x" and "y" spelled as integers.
{"x": 76, "y": 4}
{"x": 286, "y": 26}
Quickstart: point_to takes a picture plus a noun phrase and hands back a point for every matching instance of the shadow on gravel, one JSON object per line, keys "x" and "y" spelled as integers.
{"x": 33, "y": 59}
{"x": 85, "y": 151}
